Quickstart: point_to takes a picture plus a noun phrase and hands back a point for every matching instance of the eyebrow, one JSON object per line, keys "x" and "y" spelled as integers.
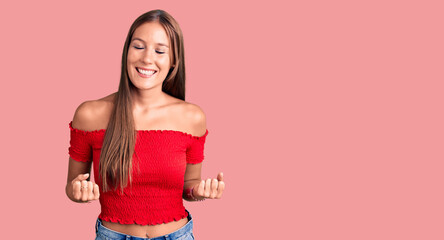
{"x": 161, "y": 44}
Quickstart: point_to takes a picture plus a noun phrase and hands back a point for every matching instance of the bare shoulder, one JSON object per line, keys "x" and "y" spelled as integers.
{"x": 93, "y": 114}
{"x": 195, "y": 117}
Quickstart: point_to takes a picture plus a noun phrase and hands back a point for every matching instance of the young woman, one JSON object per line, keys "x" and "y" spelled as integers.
{"x": 145, "y": 142}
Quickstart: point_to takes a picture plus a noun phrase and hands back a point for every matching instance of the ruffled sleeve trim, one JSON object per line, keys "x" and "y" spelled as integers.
{"x": 197, "y": 137}
{"x": 83, "y": 131}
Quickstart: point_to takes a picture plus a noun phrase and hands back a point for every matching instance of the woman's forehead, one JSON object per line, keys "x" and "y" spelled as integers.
{"x": 151, "y": 32}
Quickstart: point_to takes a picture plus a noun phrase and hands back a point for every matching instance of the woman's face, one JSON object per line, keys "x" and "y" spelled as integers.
{"x": 149, "y": 55}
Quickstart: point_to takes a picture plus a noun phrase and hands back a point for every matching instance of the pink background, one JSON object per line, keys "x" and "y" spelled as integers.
{"x": 326, "y": 117}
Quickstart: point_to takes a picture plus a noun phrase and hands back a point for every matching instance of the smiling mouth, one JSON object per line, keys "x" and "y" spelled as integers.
{"x": 147, "y": 73}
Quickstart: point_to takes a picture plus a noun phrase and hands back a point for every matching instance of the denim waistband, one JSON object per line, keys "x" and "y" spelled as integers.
{"x": 121, "y": 236}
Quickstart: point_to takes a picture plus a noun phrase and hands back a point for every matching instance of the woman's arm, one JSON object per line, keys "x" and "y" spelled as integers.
{"x": 79, "y": 188}
{"x": 195, "y": 188}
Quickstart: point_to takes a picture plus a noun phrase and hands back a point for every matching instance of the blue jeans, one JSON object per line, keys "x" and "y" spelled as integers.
{"x": 184, "y": 233}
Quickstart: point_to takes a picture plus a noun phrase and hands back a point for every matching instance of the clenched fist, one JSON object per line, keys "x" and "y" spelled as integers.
{"x": 83, "y": 190}
{"x": 211, "y": 188}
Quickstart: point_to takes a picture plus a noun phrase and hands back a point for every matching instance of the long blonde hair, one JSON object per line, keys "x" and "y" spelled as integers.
{"x": 115, "y": 166}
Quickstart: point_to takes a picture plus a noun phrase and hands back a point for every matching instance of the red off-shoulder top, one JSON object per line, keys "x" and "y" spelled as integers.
{"x": 155, "y": 196}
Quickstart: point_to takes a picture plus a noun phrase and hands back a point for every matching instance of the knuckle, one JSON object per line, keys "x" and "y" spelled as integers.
{"x": 75, "y": 183}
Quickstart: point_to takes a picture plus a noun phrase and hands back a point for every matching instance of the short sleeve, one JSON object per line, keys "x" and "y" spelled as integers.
{"x": 80, "y": 145}
{"x": 195, "y": 149}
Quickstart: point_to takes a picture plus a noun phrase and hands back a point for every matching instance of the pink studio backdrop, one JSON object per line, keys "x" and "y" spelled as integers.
{"x": 326, "y": 117}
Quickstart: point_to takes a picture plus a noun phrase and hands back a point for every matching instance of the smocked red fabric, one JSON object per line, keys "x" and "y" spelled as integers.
{"x": 155, "y": 196}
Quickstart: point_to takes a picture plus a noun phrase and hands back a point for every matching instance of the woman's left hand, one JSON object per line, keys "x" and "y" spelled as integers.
{"x": 211, "y": 188}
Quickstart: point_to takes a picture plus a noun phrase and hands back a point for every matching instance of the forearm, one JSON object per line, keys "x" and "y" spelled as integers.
{"x": 188, "y": 185}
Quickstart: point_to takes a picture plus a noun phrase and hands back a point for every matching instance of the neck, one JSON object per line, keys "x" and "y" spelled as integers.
{"x": 148, "y": 99}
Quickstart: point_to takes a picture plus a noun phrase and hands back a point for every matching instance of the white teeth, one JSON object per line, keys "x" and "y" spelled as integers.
{"x": 146, "y": 72}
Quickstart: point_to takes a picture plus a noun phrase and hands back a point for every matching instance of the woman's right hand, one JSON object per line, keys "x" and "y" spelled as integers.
{"x": 83, "y": 190}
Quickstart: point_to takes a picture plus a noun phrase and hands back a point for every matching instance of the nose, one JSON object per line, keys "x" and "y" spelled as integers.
{"x": 147, "y": 56}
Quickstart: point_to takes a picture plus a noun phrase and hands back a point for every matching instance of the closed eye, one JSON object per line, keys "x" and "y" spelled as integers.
{"x": 159, "y": 52}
